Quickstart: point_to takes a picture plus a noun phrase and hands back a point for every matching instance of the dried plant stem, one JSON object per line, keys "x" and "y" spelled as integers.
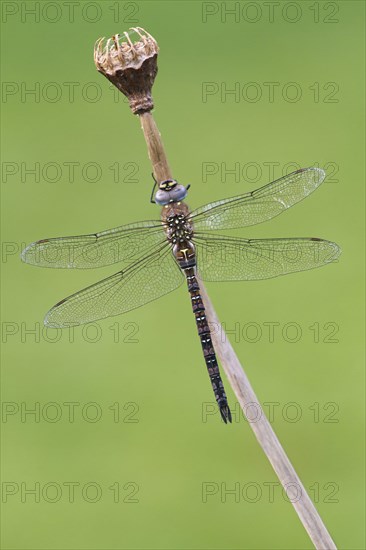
{"x": 240, "y": 384}
{"x": 155, "y": 147}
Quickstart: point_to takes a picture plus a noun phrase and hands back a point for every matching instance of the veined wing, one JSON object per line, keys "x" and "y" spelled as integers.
{"x": 259, "y": 205}
{"x": 223, "y": 258}
{"x": 148, "y": 279}
{"x": 121, "y": 244}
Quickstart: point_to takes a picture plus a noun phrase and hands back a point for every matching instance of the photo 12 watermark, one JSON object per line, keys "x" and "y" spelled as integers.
{"x": 254, "y": 171}
{"x": 252, "y": 492}
{"x": 62, "y": 12}
{"x": 70, "y": 492}
{"x": 270, "y": 92}
{"x": 57, "y": 92}
{"x": 22, "y": 332}
{"x": 69, "y": 412}
{"x": 272, "y": 331}
{"x": 270, "y": 12}
{"x": 69, "y": 171}
{"x": 291, "y": 412}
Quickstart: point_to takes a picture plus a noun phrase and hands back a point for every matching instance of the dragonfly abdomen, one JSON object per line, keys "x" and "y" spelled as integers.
{"x": 209, "y": 354}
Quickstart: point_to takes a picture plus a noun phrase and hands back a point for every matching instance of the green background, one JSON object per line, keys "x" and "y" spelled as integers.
{"x": 163, "y": 449}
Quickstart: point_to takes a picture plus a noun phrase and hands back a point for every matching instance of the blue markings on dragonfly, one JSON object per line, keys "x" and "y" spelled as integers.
{"x": 158, "y": 255}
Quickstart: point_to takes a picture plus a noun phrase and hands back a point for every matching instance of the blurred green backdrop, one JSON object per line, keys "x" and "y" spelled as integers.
{"x": 142, "y": 462}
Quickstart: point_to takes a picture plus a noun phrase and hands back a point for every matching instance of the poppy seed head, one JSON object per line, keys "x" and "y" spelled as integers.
{"x": 131, "y": 65}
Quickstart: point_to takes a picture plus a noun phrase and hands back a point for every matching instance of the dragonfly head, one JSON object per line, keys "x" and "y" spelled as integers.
{"x": 170, "y": 191}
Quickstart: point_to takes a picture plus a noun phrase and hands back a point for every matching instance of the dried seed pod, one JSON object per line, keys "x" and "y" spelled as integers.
{"x": 130, "y": 65}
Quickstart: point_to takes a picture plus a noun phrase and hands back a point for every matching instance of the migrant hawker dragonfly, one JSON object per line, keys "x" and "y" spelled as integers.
{"x": 158, "y": 255}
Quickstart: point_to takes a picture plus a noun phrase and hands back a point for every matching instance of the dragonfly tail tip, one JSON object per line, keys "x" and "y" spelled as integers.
{"x": 225, "y": 413}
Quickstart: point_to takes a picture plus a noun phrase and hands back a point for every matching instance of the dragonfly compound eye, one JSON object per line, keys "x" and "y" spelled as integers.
{"x": 174, "y": 193}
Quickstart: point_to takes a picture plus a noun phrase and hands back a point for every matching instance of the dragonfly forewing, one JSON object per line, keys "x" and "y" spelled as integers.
{"x": 259, "y": 205}
{"x": 122, "y": 244}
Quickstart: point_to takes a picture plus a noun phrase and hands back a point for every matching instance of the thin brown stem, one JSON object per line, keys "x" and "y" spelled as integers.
{"x": 240, "y": 384}
{"x": 155, "y": 147}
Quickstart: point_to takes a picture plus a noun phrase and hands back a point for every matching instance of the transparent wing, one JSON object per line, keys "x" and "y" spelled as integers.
{"x": 121, "y": 244}
{"x": 259, "y": 205}
{"x": 230, "y": 259}
{"x": 148, "y": 279}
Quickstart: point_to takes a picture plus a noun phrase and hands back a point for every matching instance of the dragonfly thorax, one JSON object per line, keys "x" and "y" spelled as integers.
{"x": 178, "y": 229}
{"x": 170, "y": 191}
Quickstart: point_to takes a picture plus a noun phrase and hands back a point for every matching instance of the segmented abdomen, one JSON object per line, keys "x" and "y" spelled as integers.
{"x": 207, "y": 346}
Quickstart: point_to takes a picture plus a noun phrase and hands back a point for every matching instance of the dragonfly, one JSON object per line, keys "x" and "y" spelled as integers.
{"x": 156, "y": 256}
